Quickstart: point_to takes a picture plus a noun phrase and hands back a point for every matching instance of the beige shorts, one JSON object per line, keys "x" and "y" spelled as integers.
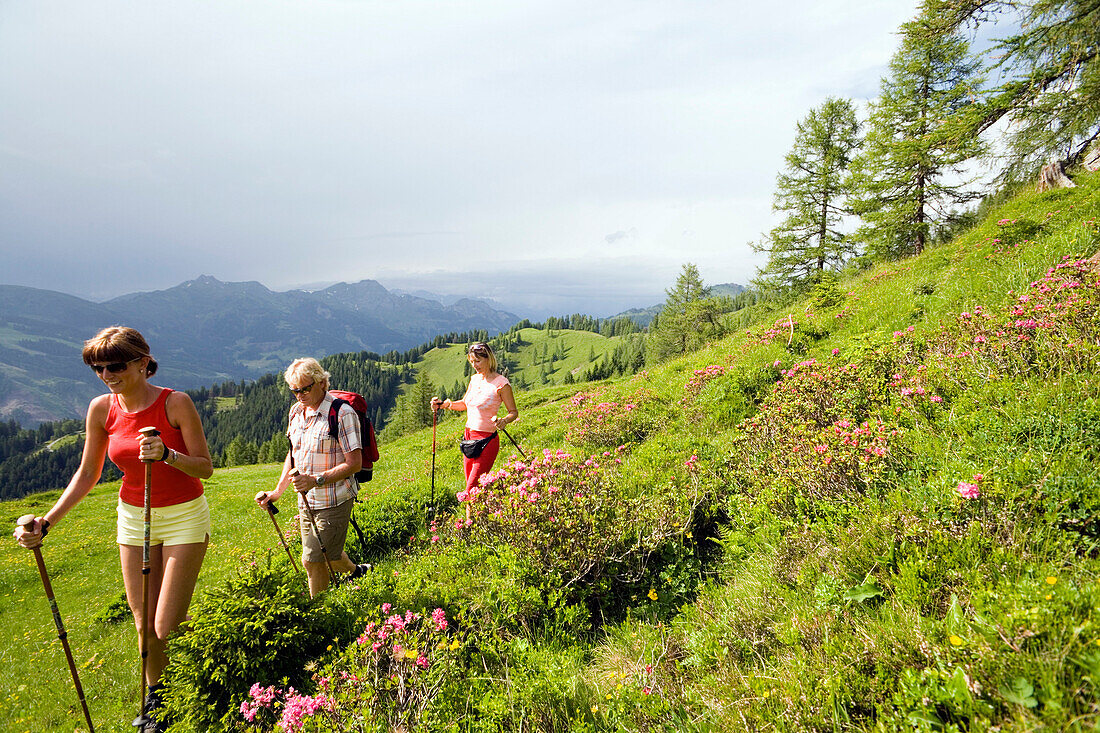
{"x": 179, "y": 524}
{"x": 332, "y": 523}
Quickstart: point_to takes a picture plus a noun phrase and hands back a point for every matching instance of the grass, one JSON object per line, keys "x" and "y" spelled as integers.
{"x": 879, "y": 600}
{"x": 444, "y": 365}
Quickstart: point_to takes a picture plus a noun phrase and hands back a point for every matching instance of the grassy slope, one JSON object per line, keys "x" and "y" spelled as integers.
{"x": 742, "y": 600}
{"x": 444, "y": 365}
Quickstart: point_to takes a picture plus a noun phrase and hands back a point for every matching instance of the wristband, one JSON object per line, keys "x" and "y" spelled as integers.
{"x": 45, "y": 527}
{"x": 164, "y": 457}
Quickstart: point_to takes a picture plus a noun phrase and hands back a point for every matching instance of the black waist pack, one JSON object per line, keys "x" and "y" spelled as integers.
{"x": 473, "y": 448}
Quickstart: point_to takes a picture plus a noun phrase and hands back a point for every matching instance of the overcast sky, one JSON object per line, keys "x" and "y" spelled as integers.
{"x": 549, "y": 155}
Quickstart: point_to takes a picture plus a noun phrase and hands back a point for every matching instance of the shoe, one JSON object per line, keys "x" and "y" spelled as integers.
{"x": 360, "y": 570}
{"x": 147, "y": 722}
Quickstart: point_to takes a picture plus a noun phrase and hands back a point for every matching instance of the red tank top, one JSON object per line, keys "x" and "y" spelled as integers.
{"x": 169, "y": 485}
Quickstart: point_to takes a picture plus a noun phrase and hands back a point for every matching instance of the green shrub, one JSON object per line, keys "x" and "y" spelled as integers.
{"x": 390, "y": 519}
{"x": 258, "y": 628}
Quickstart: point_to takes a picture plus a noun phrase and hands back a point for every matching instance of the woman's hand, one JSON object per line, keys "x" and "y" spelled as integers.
{"x": 30, "y": 530}
{"x": 152, "y": 448}
{"x": 436, "y": 403}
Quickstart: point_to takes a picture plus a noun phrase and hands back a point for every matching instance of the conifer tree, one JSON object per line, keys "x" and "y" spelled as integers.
{"x": 811, "y": 192}
{"x": 1051, "y": 66}
{"x": 907, "y": 176}
{"x": 670, "y": 333}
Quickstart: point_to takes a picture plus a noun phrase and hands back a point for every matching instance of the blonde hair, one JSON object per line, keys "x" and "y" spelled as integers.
{"x": 118, "y": 344}
{"x": 307, "y": 367}
{"x": 485, "y": 351}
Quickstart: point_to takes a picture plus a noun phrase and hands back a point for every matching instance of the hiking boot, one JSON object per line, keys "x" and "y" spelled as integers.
{"x": 360, "y": 570}
{"x": 147, "y": 722}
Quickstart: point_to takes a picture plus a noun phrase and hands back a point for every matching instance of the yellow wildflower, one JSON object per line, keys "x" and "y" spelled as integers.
{"x": 652, "y": 594}
{"x": 955, "y": 640}
{"x": 1051, "y": 580}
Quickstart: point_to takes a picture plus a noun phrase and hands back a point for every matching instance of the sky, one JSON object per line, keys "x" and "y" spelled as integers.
{"x": 556, "y": 157}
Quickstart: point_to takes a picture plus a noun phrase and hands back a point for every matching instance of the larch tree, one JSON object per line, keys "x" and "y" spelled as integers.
{"x": 910, "y": 172}
{"x": 811, "y": 192}
{"x": 1051, "y": 71}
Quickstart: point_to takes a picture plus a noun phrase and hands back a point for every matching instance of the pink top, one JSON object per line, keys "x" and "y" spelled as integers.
{"x": 482, "y": 400}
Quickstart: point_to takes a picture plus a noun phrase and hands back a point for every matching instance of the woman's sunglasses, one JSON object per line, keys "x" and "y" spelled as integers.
{"x": 113, "y": 368}
{"x": 479, "y": 349}
{"x": 303, "y": 390}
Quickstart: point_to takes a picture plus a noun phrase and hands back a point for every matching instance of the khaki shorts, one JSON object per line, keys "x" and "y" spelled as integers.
{"x": 178, "y": 524}
{"x": 332, "y": 523}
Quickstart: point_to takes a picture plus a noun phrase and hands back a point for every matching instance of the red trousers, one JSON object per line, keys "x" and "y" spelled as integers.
{"x": 483, "y": 463}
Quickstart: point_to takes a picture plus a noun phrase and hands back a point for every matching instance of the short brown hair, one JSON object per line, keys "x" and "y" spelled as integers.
{"x": 118, "y": 343}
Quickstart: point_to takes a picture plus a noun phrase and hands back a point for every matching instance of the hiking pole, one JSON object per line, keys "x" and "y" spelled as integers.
{"x": 142, "y": 718}
{"x": 431, "y": 503}
{"x": 501, "y": 427}
{"x": 272, "y": 510}
{"x": 27, "y": 522}
{"x": 309, "y": 513}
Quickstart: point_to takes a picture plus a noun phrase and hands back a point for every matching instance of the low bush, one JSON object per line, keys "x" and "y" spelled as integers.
{"x": 261, "y": 627}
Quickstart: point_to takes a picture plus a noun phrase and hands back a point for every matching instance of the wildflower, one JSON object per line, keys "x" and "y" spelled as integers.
{"x": 439, "y": 618}
{"x": 1051, "y": 580}
{"x": 652, "y": 594}
{"x": 955, "y": 640}
{"x": 968, "y": 491}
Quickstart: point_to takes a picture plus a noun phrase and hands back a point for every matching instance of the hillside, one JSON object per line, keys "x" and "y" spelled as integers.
{"x": 873, "y": 509}
{"x": 205, "y": 331}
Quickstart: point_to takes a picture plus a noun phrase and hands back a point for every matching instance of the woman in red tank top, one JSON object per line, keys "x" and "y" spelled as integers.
{"x": 120, "y": 356}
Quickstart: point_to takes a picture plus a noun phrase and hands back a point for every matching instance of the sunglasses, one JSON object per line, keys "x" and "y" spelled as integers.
{"x": 303, "y": 390}
{"x": 113, "y": 368}
{"x": 479, "y": 349}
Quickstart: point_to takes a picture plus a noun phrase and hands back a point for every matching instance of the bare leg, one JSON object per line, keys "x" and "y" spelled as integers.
{"x": 174, "y": 570}
{"x": 317, "y": 572}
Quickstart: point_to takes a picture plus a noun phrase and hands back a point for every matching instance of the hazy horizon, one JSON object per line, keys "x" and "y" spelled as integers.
{"x": 542, "y": 154}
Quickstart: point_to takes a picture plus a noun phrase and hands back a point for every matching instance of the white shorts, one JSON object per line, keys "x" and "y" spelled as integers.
{"x": 178, "y": 524}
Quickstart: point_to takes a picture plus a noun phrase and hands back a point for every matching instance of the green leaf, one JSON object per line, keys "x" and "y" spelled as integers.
{"x": 864, "y": 592}
{"x": 1020, "y": 692}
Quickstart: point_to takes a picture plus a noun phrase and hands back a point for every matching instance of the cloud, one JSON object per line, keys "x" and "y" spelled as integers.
{"x": 288, "y": 142}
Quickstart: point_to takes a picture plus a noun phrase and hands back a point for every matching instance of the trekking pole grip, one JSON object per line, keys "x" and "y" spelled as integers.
{"x": 149, "y": 432}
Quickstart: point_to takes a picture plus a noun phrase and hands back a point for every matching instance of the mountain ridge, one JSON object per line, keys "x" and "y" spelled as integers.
{"x": 204, "y": 331}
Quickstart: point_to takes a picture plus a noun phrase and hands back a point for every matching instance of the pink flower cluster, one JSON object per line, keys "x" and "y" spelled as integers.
{"x": 260, "y": 698}
{"x": 699, "y": 379}
{"x": 604, "y": 422}
{"x": 295, "y": 707}
{"x": 970, "y": 490}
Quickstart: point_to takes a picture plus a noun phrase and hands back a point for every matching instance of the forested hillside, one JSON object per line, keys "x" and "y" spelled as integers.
{"x": 245, "y": 421}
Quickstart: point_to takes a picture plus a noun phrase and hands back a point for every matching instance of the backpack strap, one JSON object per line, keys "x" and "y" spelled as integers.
{"x": 334, "y": 417}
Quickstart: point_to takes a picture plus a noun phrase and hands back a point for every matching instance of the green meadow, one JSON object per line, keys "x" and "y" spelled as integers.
{"x": 871, "y": 509}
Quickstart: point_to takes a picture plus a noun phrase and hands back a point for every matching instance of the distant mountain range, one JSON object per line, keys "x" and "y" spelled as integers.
{"x": 206, "y": 331}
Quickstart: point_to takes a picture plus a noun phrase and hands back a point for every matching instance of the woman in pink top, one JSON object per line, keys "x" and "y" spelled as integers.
{"x": 487, "y": 391}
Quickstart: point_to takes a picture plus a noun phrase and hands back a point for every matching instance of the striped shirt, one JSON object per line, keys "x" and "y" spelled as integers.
{"x": 315, "y": 452}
